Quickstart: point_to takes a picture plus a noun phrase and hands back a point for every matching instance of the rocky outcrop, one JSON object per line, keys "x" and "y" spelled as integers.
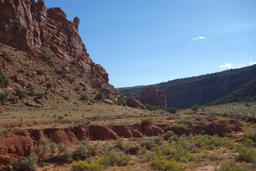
{"x": 132, "y": 102}
{"x": 153, "y": 96}
{"x": 27, "y": 25}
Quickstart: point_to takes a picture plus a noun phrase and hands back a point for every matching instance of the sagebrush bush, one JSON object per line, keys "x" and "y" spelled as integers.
{"x": 48, "y": 151}
{"x": 28, "y": 164}
{"x": 161, "y": 163}
{"x": 114, "y": 158}
{"x": 171, "y": 110}
{"x": 86, "y": 166}
{"x": 150, "y": 143}
{"x": 230, "y": 166}
{"x": 84, "y": 151}
{"x": 20, "y": 93}
{"x": 3, "y": 98}
{"x": 3, "y": 80}
{"x": 251, "y": 135}
{"x": 246, "y": 155}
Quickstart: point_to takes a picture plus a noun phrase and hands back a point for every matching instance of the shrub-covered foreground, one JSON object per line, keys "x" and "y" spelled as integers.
{"x": 168, "y": 152}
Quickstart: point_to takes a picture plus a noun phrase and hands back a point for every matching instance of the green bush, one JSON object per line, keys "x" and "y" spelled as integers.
{"x": 150, "y": 143}
{"x": 86, "y": 166}
{"x": 4, "y": 132}
{"x": 48, "y": 151}
{"x": 84, "y": 98}
{"x": 84, "y": 151}
{"x": 161, "y": 163}
{"x": 251, "y": 135}
{"x": 210, "y": 142}
{"x": 3, "y": 80}
{"x": 171, "y": 110}
{"x": 98, "y": 97}
{"x": 21, "y": 94}
{"x": 195, "y": 108}
{"x": 230, "y": 166}
{"x": 114, "y": 158}
{"x": 3, "y": 98}
{"x": 246, "y": 155}
{"x": 146, "y": 121}
{"x": 29, "y": 163}
{"x": 173, "y": 152}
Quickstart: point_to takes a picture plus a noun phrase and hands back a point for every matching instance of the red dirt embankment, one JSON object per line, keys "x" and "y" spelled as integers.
{"x": 21, "y": 143}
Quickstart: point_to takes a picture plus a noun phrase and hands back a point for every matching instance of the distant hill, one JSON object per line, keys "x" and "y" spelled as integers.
{"x": 222, "y": 87}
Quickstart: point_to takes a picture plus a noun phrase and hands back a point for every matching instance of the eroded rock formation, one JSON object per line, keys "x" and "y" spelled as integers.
{"x": 27, "y": 25}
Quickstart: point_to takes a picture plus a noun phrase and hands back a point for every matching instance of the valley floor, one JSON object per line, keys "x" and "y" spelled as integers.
{"x": 121, "y": 138}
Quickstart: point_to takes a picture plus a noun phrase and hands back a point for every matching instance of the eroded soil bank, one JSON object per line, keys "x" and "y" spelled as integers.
{"x": 20, "y": 143}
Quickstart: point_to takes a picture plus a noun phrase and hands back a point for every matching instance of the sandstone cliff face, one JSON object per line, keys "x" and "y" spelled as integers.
{"x": 29, "y": 26}
{"x": 153, "y": 96}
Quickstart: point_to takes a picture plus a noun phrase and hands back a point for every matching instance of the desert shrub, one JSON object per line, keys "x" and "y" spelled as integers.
{"x": 186, "y": 122}
{"x": 171, "y": 110}
{"x": 50, "y": 151}
{"x": 114, "y": 158}
{"x": 246, "y": 155}
{"x": 150, "y": 143}
{"x": 251, "y": 135}
{"x": 21, "y": 94}
{"x": 86, "y": 166}
{"x": 98, "y": 97}
{"x": 3, "y": 98}
{"x": 66, "y": 98}
{"x": 210, "y": 142}
{"x": 83, "y": 97}
{"x": 161, "y": 163}
{"x": 84, "y": 151}
{"x": 230, "y": 166}
{"x": 29, "y": 163}
{"x": 6, "y": 57}
{"x": 60, "y": 117}
{"x": 170, "y": 136}
{"x": 3, "y": 80}
{"x": 195, "y": 108}
{"x": 4, "y": 132}
{"x": 146, "y": 121}
{"x": 172, "y": 152}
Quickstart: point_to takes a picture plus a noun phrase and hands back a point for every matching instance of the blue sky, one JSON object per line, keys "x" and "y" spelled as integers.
{"x": 142, "y": 42}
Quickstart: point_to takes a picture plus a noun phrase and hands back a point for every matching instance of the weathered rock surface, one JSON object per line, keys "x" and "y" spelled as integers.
{"x": 55, "y": 54}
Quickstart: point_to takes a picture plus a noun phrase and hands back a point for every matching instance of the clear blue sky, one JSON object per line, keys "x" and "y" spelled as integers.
{"x": 149, "y": 41}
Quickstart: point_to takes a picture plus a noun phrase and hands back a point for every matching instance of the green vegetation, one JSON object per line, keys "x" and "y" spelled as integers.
{"x": 86, "y": 166}
{"x": 29, "y": 164}
{"x": 109, "y": 158}
{"x": 146, "y": 121}
{"x": 3, "y": 80}
{"x": 4, "y": 132}
{"x": 114, "y": 158}
{"x": 84, "y": 98}
{"x": 3, "y": 98}
{"x": 195, "y": 108}
{"x": 171, "y": 110}
{"x": 161, "y": 163}
{"x": 231, "y": 166}
{"x": 246, "y": 155}
{"x": 84, "y": 151}
{"x": 20, "y": 93}
{"x": 98, "y": 97}
{"x": 48, "y": 151}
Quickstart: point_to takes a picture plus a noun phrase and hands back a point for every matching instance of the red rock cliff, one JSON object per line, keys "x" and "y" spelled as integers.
{"x": 27, "y": 25}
